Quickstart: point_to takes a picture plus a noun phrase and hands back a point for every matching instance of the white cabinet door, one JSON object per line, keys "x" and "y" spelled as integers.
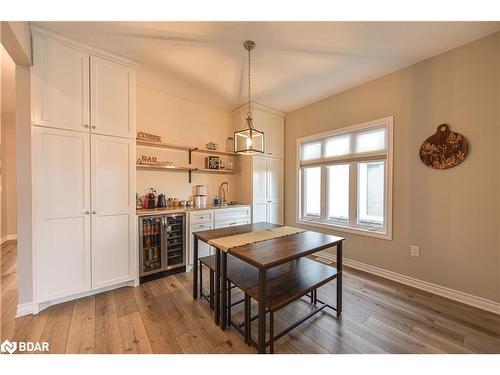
{"x": 275, "y": 190}
{"x": 60, "y": 86}
{"x": 62, "y": 204}
{"x": 275, "y": 212}
{"x": 203, "y": 248}
{"x": 113, "y": 206}
{"x": 275, "y": 178}
{"x": 276, "y": 136}
{"x": 112, "y": 92}
{"x": 260, "y": 189}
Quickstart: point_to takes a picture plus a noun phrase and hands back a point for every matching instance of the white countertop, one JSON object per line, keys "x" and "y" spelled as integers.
{"x": 180, "y": 210}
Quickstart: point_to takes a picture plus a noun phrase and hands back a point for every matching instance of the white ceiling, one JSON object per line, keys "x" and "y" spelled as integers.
{"x": 293, "y": 64}
{"x": 8, "y": 71}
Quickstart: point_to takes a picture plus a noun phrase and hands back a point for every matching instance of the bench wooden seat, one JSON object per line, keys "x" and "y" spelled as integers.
{"x": 285, "y": 283}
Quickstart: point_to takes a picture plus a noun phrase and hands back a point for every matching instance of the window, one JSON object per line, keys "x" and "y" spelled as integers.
{"x": 345, "y": 179}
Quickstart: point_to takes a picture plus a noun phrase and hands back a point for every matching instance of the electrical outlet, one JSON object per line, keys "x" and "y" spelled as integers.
{"x": 414, "y": 251}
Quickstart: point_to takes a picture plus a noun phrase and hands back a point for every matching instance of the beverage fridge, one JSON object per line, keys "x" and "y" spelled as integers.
{"x": 162, "y": 244}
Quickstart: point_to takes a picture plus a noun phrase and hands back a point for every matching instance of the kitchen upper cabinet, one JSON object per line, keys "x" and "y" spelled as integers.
{"x": 60, "y": 86}
{"x": 276, "y": 140}
{"x": 260, "y": 121}
{"x": 112, "y": 92}
{"x": 269, "y": 121}
{"x": 83, "y": 91}
{"x": 113, "y": 203}
{"x": 61, "y": 169}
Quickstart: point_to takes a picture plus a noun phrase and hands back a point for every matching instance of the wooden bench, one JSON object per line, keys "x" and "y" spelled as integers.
{"x": 285, "y": 284}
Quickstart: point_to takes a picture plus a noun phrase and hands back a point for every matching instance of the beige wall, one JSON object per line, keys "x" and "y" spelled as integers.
{"x": 453, "y": 215}
{"x": 182, "y": 122}
{"x": 9, "y": 215}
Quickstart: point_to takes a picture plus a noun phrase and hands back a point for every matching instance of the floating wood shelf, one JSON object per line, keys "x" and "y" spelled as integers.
{"x": 215, "y": 152}
{"x": 216, "y": 171}
{"x": 183, "y": 169}
{"x": 161, "y": 167}
{"x": 184, "y": 148}
{"x": 164, "y": 145}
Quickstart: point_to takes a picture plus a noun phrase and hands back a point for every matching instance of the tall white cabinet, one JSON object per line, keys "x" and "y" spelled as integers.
{"x": 83, "y": 117}
{"x": 262, "y": 175}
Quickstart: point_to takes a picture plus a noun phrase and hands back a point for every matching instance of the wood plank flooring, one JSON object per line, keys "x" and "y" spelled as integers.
{"x": 380, "y": 316}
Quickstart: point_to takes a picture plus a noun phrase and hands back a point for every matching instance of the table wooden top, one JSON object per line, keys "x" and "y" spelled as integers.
{"x": 212, "y": 234}
{"x": 271, "y": 253}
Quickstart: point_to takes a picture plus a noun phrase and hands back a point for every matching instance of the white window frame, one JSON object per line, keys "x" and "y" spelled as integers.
{"x": 324, "y": 162}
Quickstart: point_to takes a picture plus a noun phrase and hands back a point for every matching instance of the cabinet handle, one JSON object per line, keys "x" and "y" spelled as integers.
{"x": 93, "y": 212}
{"x": 93, "y": 126}
{"x": 85, "y": 126}
{"x": 87, "y": 212}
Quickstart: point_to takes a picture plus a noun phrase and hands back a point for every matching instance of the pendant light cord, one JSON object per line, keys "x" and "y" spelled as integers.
{"x": 249, "y": 85}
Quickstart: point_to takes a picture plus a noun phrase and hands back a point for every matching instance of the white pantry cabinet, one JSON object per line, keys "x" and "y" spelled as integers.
{"x": 267, "y": 184}
{"x": 113, "y": 205}
{"x": 76, "y": 89}
{"x": 262, "y": 180}
{"x": 60, "y": 78}
{"x": 62, "y": 213}
{"x": 112, "y": 92}
{"x": 83, "y": 170}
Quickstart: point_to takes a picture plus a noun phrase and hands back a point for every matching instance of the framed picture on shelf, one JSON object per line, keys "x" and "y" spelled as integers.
{"x": 213, "y": 162}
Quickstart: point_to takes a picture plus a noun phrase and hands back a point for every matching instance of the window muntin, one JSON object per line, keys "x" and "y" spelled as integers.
{"x": 354, "y": 169}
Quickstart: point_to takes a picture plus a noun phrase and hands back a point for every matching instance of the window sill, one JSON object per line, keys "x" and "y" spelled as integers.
{"x": 340, "y": 228}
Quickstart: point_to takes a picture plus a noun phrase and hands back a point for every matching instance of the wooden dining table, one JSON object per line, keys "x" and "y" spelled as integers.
{"x": 263, "y": 255}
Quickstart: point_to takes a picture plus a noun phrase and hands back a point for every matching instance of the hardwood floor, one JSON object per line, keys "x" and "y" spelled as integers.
{"x": 380, "y": 316}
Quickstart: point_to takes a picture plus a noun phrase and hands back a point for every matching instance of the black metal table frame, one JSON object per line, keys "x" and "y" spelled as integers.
{"x": 220, "y": 312}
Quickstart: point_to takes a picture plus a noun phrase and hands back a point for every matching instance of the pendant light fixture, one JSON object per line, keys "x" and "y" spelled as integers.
{"x": 249, "y": 141}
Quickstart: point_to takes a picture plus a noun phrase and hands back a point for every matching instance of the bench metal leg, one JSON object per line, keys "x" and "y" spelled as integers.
{"x": 201, "y": 277}
{"x": 248, "y": 321}
{"x": 212, "y": 276}
{"x": 271, "y": 332}
{"x": 229, "y": 303}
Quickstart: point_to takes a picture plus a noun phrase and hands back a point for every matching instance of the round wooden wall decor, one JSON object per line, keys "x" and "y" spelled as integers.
{"x": 444, "y": 149}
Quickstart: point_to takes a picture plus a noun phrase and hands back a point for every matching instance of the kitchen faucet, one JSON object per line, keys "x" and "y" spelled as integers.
{"x": 222, "y": 192}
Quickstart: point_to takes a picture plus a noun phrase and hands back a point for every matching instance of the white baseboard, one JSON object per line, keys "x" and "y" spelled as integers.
{"x": 31, "y": 308}
{"x": 24, "y": 309}
{"x": 8, "y": 237}
{"x": 456, "y": 295}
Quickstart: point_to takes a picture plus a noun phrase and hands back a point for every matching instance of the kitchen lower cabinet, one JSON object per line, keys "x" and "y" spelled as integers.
{"x": 62, "y": 213}
{"x": 214, "y": 219}
{"x": 199, "y": 221}
{"x": 113, "y": 206}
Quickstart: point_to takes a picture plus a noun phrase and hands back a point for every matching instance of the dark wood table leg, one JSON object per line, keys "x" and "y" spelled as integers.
{"x": 339, "y": 278}
{"x": 195, "y": 268}
{"x": 217, "y": 287}
{"x": 223, "y": 282}
{"x": 262, "y": 311}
